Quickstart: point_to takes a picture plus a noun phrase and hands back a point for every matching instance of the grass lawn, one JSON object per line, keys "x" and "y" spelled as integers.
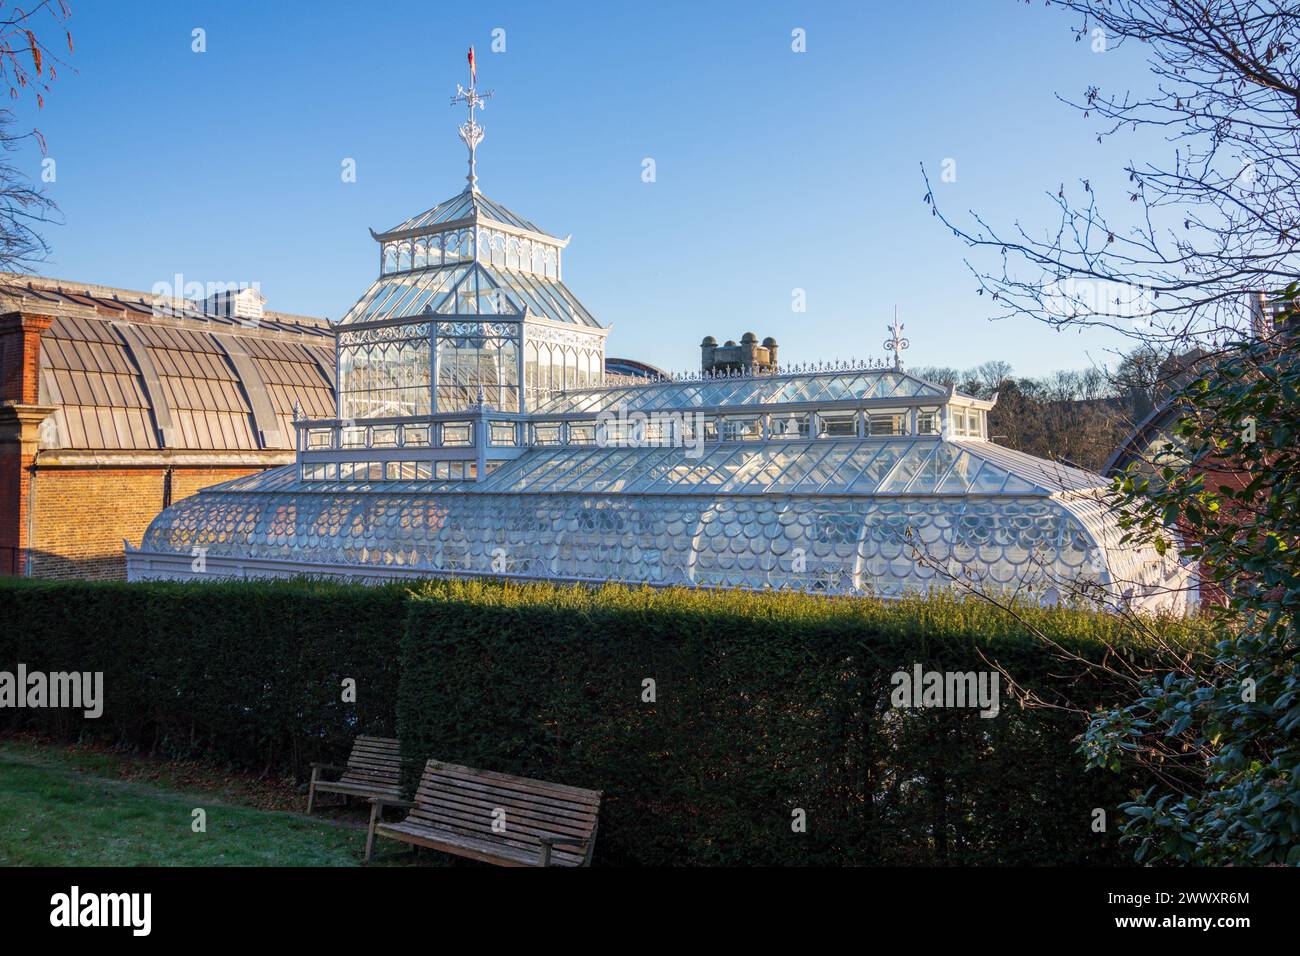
{"x": 57, "y": 810}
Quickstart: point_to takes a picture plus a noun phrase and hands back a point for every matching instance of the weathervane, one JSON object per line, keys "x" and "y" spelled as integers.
{"x": 896, "y": 343}
{"x": 471, "y": 133}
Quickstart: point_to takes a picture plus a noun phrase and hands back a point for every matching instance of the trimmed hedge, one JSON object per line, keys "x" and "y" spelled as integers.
{"x": 766, "y": 704}
{"x": 248, "y": 674}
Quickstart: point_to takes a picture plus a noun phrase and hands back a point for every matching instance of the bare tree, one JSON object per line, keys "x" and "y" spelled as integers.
{"x": 992, "y": 374}
{"x": 1218, "y": 217}
{"x": 26, "y": 64}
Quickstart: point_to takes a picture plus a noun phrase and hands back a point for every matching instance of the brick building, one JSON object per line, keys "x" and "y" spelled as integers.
{"x": 114, "y": 404}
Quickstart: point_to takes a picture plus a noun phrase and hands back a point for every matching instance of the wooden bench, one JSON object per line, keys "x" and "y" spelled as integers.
{"x": 493, "y": 817}
{"x": 374, "y": 770}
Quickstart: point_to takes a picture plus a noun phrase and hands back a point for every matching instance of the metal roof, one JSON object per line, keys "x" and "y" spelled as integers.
{"x": 127, "y": 375}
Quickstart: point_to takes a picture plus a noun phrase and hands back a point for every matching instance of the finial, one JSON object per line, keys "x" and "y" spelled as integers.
{"x": 471, "y": 133}
{"x": 896, "y": 343}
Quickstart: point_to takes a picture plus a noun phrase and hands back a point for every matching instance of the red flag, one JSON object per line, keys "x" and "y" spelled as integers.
{"x": 473, "y": 73}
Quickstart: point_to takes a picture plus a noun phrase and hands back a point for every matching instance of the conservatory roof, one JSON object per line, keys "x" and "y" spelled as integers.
{"x": 470, "y": 205}
{"x": 856, "y": 467}
{"x": 868, "y": 466}
{"x": 468, "y": 288}
{"x": 755, "y": 390}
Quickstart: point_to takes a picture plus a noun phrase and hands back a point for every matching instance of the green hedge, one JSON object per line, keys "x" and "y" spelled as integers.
{"x": 766, "y": 704}
{"x": 248, "y": 674}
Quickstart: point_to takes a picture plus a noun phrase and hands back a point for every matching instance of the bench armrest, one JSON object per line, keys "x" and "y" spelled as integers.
{"x": 391, "y": 802}
{"x": 328, "y": 766}
{"x": 377, "y": 805}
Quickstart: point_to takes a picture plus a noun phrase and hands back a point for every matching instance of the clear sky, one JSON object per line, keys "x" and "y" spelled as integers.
{"x": 775, "y": 170}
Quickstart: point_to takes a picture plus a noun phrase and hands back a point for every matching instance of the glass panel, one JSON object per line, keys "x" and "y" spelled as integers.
{"x": 457, "y": 433}
{"x": 959, "y": 478}
{"x": 820, "y": 474}
{"x": 933, "y": 471}
{"x": 546, "y": 434}
{"x": 597, "y": 470}
{"x": 710, "y": 471}
{"x": 907, "y": 468}
{"x": 746, "y": 428}
{"x": 799, "y": 466}
{"x": 989, "y": 480}
{"x": 792, "y": 425}
{"x": 738, "y": 471}
{"x": 415, "y": 436}
{"x": 1017, "y": 485}
{"x": 874, "y": 473}
{"x": 385, "y": 380}
{"x": 837, "y": 424}
{"x": 582, "y": 433}
{"x": 887, "y": 423}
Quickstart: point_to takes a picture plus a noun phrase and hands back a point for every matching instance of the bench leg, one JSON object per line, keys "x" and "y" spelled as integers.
{"x": 370, "y": 833}
{"x": 311, "y": 791}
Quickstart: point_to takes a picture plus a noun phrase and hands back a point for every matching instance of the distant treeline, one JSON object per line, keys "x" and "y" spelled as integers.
{"x": 1078, "y": 417}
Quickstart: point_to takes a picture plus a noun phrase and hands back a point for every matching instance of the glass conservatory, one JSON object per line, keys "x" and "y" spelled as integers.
{"x": 475, "y": 436}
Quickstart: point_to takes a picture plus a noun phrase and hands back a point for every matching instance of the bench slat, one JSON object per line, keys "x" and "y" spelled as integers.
{"x": 435, "y": 790}
{"x": 463, "y": 844}
{"x": 540, "y": 787}
{"x": 484, "y": 812}
{"x": 444, "y": 813}
{"x": 342, "y": 786}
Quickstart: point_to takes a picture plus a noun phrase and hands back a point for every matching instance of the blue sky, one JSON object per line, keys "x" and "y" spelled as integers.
{"x": 775, "y": 170}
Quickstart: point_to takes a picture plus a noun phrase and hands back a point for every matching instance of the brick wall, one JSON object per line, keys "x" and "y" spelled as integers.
{"x": 82, "y": 515}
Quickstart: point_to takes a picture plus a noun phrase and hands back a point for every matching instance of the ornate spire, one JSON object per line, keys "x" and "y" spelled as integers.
{"x": 471, "y": 134}
{"x": 896, "y": 343}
